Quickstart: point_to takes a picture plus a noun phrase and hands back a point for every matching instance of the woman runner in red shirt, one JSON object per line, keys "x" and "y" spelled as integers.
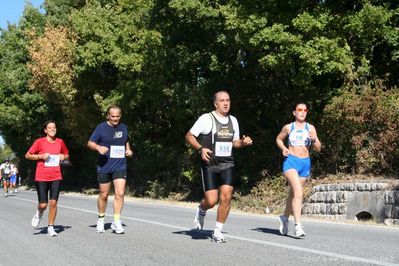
{"x": 48, "y": 151}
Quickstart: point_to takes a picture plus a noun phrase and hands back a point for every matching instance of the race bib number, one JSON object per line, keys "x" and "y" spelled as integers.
{"x": 117, "y": 152}
{"x": 223, "y": 149}
{"x": 52, "y": 161}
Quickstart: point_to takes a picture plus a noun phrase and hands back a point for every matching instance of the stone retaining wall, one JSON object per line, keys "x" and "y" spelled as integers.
{"x": 351, "y": 201}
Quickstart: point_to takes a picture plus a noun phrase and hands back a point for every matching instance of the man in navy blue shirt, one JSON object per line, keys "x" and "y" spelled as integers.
{"x": 110, "y": 140}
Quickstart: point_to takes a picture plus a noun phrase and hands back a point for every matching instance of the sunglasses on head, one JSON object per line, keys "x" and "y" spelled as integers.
{"x": 302, "y": 110}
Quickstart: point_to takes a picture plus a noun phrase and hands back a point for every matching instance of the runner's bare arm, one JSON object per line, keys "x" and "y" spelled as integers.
{"x": 243, "y": 142}
{"x": 95, "y": 147}
{"x": 280, "y": 140}
{"x": 129, "y": 151}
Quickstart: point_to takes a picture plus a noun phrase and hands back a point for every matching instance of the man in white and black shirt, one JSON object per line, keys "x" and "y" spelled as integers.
{"x": 6, "y": 171}
{"x": 215, "y": 135}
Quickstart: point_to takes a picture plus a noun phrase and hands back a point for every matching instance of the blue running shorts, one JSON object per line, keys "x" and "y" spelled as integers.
{"x": 301, "y": 165}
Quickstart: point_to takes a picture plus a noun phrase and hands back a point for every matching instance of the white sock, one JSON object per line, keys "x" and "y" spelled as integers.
{"x": 219, "y": 226}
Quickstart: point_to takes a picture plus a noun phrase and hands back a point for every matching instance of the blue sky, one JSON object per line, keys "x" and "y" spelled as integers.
{"x": 11, "y": 10}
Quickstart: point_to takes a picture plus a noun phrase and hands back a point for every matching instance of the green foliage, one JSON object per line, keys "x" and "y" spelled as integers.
{"x": 362, "y": 130}
{"x": 268, "y": 193}
{"x": 6, "y": 153}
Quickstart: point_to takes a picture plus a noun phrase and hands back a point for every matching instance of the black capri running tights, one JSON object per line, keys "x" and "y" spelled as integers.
{"x": 43, "y": 187}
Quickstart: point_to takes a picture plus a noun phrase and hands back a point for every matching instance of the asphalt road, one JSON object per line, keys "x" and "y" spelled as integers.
{"x": 160, "y": 234}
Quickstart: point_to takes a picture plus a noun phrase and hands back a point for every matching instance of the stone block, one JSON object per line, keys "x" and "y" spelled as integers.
{"x": 389, "y": 197}
{"x": 307, "y": 209}
{"x": 395, "y": 221}
{"x": 342, "y": 209}
{"x": 345, "y": 186}
{"x": 321, "y": 196}
{"x": 388, "y": 211}
{"x": 388, "y": 221}
{"x": 334, "y": 187}
{"x": 395, "y": 212}
{"x": 396, "y": 197}
{"x": 342, "y": 196}
{"x": 382, "y": 186}
{"x": 360, "y": 186}
{"x": 328, "y": 208}
{"x": 323, "y": 208}
{"x": 316, "y": 208}
{"x": 331, "y": 197}
{"x": 334, "y": 209}
{"x": 351, "y": 187}
{"x": 317, "y": 188}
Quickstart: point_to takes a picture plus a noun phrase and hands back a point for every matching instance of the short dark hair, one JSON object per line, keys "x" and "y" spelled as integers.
{"x": 298, "y": 103}
{"x": 48, "y": 122}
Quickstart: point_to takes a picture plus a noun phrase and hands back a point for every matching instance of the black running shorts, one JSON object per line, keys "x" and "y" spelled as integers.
{"x": 213, "y": 179}
{"x": 103, "y": 178}
{"x": 43, "y": 188}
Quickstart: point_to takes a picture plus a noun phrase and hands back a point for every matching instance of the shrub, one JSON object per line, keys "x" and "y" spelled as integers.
{"x": 360, "y": 130}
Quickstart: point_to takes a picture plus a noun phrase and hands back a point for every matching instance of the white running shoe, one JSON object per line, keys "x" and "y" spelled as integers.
{"x": 100, "y": 226}
{"x": 283, "y": 225}
{"x": 36, "y": 219}
{"x": 298, "y": 231}
{"x": 117, "y": 227}
{"x": 51, "y": 231}
{"x": 6, "y": 194}
{"x": 199, "y": 219}
{"x": 218, "y": 237}
{"x": 16, "y": 190}
{"x": 10, "y": 191}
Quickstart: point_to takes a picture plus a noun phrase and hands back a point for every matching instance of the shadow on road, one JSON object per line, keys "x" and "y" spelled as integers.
{"x": 196, "y": 234}
{"x": 267, "y": 231}
{"x": 272, "y": 232}
{"x": 107, "y": 226}
{"x": 57, "y": 228}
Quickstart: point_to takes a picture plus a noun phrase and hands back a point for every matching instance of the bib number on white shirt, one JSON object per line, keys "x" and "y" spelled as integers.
{"x": 52, "y": 161}
{"x": 117, "y": 152}
{"x": 223, "y": 149}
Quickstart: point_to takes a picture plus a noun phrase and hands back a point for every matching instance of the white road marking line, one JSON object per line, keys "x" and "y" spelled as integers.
{"x": 263, "y": 242}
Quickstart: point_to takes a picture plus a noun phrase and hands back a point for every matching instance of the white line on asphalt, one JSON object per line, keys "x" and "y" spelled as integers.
{"x": 268, "y": 243}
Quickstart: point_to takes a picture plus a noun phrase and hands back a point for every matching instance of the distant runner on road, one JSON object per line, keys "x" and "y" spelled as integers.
{"x": 6, "y": 172}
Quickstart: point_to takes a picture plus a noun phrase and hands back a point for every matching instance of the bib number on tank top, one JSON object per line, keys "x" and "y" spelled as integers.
{"x": 7, "y": 170}
{"x": 52, "y": 161}
{"x": 117, "y": 152}
{"x": 223, "y": 149}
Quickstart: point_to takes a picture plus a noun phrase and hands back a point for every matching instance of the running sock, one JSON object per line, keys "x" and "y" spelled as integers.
{"x": 101, "y": 216}
{"x": 201, "y": 212}
{"x": 117, "y": 217}
{"x": 219, "y": 226}
{"x": 38, "y": 213}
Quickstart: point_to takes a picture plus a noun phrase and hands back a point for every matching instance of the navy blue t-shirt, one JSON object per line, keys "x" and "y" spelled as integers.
{"x": 115, "y": 139}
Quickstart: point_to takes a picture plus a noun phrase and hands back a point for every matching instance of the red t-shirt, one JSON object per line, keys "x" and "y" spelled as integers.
{"x": 50, "y": 169}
